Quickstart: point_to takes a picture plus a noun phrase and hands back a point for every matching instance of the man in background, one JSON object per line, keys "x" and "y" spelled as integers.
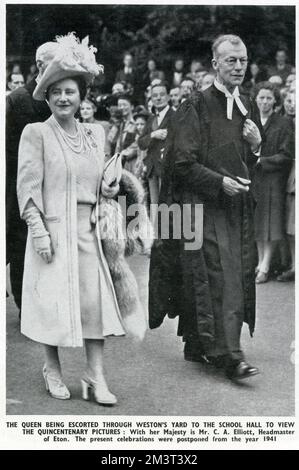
{"x": 15, "y": 80}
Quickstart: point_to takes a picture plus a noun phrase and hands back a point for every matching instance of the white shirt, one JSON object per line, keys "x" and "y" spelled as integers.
{"x": 161, "y": 114}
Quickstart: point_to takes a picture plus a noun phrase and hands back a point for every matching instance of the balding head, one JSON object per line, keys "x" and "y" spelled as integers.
{"x": 44, "y": 54}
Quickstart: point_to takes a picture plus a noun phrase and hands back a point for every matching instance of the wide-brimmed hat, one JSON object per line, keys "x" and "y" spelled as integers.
{"x": 71, "y": 59}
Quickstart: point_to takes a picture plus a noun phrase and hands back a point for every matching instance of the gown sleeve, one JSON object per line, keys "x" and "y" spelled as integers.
{"x": 188, "y": 169}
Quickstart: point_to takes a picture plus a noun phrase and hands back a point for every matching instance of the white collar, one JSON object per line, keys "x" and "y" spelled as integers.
{"x": 161, "y": 114}
{"x": 231, "y": 97}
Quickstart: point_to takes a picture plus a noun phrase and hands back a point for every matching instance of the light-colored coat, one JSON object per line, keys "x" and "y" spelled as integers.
{"x": 50, "y": 302}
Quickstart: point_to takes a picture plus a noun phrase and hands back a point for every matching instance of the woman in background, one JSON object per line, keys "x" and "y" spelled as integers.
{"x": 88, "y": 110}
{"x": 270, "y": 177}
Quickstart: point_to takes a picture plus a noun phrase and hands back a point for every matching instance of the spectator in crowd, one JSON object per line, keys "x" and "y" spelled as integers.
{"x": 199, "y": 76}
{"x": 123, "y": 132}
{"x": 276, "y": 80}
{"x": 175, "y": 97}
{"x": 207, "y": 81}
{"x": 281, "y": 68}
{"x": 21, "y": 109}
{"x": 153, "y": 140}
{"x": 195, "y": 68}
{"x": 140, "y": 116}
{"x": 15, "y": 80}
{"x": 32, "y": 73}
{"x": 127, "y": 73}
{"x": 16, "y": 68}
{"x": 256, "y": 74}
{"x": 289, "y": 108}
{"x": 186, "y": 88}
{"x": 88, "y": 109}
{"x": 152, "y": 73}
{"x": 178, "y": 73}
{"x": 269, "y": 178}
{"x": 118, "y": 88}
{"x": 291, "y": 79}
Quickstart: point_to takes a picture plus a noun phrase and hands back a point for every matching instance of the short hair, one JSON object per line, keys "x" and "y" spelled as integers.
{"x": 82, "y": 86}
{"x": 282, "y": 49}
{"x": 90, "y": 100}
{"x": 46, "y": 51}
{"x": 126, "y": 53}
{"x": 126, "y": 97}
{"x": 268, "y": 86}
{"x": 188, "y": 79}
{"x": 163, "y": 84}
{"x": 9, "y": 77}
{"x": 232, "y": 38}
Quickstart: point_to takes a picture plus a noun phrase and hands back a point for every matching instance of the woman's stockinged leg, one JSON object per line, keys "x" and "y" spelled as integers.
{"x": 269, "y": 248}
{"x": 94, "y": 379}
{"x": 260, "y": 250}
{"x": 52, "y": 374}
{"x": 95, "y": 358}
{"x": 52, "y": 359}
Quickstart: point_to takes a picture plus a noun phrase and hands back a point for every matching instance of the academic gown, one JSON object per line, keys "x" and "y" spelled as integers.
{"x": 212, "y": 288}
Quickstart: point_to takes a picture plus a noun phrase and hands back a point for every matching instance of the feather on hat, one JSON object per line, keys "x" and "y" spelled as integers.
{"x": 72, "y": 58}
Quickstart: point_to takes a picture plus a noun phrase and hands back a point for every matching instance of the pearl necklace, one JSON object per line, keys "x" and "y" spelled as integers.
{"x": 77, "y": 142}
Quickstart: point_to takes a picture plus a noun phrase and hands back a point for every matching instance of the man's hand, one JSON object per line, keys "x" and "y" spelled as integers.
{"x": 231, "y": 187}
{"x": 252, "y": 134}
{"x": 159, "y": 134}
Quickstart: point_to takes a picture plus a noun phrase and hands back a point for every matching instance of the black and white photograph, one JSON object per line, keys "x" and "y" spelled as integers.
{"x": 149, "y": 241}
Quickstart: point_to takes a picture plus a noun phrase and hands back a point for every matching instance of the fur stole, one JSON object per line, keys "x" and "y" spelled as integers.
{"x": 125, "y": 229}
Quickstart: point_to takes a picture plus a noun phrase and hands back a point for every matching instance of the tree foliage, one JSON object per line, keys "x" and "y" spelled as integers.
{"x": 160, "y": 31}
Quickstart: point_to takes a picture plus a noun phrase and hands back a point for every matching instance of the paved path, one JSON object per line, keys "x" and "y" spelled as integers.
{"x": 153, "y": 379}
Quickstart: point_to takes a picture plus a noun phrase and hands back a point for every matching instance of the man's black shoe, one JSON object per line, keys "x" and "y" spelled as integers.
{"x": 242, "y": 370}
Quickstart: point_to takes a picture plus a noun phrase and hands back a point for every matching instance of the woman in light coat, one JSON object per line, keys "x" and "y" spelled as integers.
{"x": 68, "y": 294}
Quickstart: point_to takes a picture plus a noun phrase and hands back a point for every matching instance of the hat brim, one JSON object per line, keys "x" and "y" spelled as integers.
{"x": 55, "y": 73}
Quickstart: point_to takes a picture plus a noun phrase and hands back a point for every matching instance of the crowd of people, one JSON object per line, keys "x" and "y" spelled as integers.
{"x": 143, "y": 119}
{"x": 134, "y": 127}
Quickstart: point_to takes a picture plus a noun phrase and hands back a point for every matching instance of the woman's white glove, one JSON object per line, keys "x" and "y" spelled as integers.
{"x": 40, "y": 236}
{"x": 42, "y": 246}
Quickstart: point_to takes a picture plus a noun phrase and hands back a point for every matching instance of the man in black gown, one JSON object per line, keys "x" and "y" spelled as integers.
{"x": 215, "y": 137}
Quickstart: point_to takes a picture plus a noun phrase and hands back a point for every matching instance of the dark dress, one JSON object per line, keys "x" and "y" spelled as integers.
{"x": 270, "y": 177}
{"x": 212, "y": 289}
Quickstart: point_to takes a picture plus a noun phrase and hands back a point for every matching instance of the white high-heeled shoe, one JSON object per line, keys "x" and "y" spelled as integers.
{"x": 100, "y": 392}
{"x": 55, "y": 386}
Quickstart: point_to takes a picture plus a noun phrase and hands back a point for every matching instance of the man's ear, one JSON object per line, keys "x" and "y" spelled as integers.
{"x": 215, "y": 64}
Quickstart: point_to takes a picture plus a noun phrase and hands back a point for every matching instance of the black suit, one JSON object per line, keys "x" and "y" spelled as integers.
{"x": 154, "y": 147}
{"x": 21, "y": 109}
